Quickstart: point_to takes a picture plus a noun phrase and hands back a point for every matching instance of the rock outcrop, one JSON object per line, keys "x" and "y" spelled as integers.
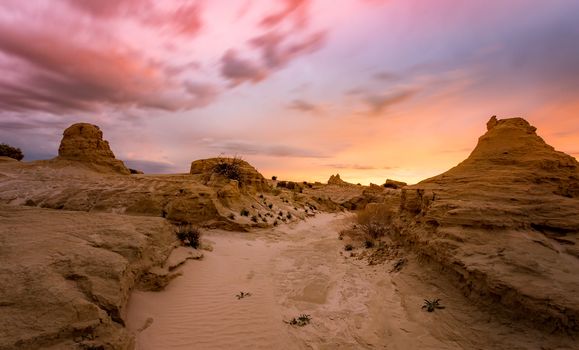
{"x": 65, "y": 277}
{"x": 219, "y": 172}
{"x": 84, "y": 143}
{"x": 394, "y": 184}
{"x": 504, "y": 222}
{"x": 336, "y": 180}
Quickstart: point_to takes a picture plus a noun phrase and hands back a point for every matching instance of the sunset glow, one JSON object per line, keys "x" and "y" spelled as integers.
{"x": 301, "y": 89}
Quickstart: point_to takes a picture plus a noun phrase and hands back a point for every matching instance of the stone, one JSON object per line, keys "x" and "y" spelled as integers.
{"x": 83, "y": 142}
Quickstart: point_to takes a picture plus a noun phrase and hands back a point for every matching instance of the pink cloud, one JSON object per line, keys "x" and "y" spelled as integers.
{"x": 238, "y": 70}
{"x": 110, "y": 8}
{"x": 60, "y": 76}
{"x": 293, "y": 8}
{"x": 276, "y": 52}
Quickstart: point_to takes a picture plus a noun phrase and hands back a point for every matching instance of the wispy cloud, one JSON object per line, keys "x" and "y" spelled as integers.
{"x": 252, "y": 148}
{"x": 357, "y": 167}
{"x": 304, "y": 106}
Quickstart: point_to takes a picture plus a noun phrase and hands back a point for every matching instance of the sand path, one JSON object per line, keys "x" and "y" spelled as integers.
{"x": 302, "y": 269}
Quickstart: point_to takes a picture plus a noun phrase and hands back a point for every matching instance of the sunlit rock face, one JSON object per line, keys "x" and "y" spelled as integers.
{"x": 84, "y": 143}
{"x": 505, "y": 222}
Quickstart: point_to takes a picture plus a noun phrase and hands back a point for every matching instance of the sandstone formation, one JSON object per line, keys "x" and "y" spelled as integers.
{"x": 504, "y": 223}
{"x": 336, "y": 180}
{"x": 83, "y": 142}
{"x": 217, "y": 172}
{"x": 65, "y": 277}
{"x": 394, "y": 184}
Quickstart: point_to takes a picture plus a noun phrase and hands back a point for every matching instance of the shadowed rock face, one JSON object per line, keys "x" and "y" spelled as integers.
{"x": 84, "y": 142}
{"x": 505, "y": 222}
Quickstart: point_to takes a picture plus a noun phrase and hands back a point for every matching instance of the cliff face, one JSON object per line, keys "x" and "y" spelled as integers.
{"x": 505, "y": 223}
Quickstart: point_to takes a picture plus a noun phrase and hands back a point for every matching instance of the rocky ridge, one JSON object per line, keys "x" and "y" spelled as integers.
{"x": 504, "y": 223}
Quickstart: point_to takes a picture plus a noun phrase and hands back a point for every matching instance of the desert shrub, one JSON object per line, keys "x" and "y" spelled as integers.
{"x": 231, "y": 216}
{"x": 229, "y": 168}
{"x": 274, "y": 178}
{"x": 189, "y": 235}
{"x": 244, "y": 212}
{"x": 300, "y": 321}
{"x": 289, "y": 215}
{"x": 270, "y": 206}
{"x": 12, "y": 152}
{"x": 282, "y": 184}
{"x": 375, "y": 220}
{"x": 431, "y": 305}
{"x": 348, "y": 247}
{"x": 254, "y": 218}
{"x": 242, "y": 295}
{"x": 275, "y": 223}
{"x": 368, "y": 244}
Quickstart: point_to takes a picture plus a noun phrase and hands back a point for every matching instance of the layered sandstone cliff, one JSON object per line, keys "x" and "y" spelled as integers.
{"x": 504, "y": 222}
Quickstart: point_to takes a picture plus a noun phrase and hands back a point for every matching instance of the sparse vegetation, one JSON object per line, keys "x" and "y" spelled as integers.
{"x": 254, "y": 218}
{"x": 431, "y": 305}
{"x": 270, "y": 206}
{"x": 189, "y": 235}
{"x": 348, "y": 247}
{"x": 300, "y": 321}
{"x": 12, "y": 152}
{"x": 274, "y": 178}
{"x": 229, "y": 168}
{"x": 242, "y": 295}
{"x": 289, "y": 216}
{"x": 375, "y": 220}
{"x": 368, "y": 244}
{"x": 244, "y": 212}
{"x": 231, "y": 216}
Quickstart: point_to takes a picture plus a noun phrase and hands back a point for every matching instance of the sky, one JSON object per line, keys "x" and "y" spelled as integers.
{"x": 301, "y": 89}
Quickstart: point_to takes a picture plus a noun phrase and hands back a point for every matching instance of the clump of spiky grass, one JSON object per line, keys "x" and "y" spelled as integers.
{"x": 189, "y": 234}
{"x": 431, "y": 305}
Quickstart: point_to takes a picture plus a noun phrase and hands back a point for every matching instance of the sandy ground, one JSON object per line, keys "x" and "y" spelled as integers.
{"x": 302, "y": 269}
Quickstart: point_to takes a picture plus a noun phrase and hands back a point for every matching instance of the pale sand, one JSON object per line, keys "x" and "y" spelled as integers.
{"x": 302, "y": 269}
